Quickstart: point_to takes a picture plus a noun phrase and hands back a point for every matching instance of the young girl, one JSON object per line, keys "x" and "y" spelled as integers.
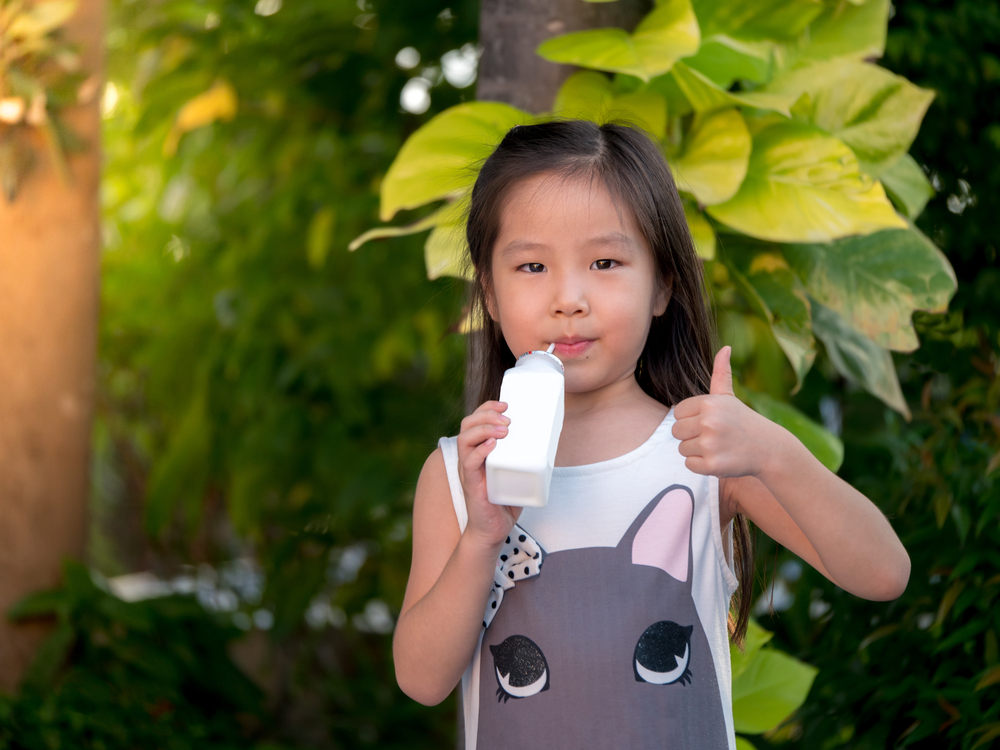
{"x": 606, "y": 618}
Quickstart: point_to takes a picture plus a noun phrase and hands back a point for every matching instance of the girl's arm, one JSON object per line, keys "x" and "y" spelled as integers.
{"x": 451, "y": 573}
{"x": 780, "y": 486}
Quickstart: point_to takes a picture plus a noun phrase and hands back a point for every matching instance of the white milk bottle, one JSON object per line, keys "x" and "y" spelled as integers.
{"x": 519, "y": 468}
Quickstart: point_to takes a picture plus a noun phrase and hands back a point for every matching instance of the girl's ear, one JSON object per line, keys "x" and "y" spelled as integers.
{"x": 489, "y": 299}
{"x": 663, "y": 292}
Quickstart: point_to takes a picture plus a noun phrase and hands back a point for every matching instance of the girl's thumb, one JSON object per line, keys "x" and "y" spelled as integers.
{"x": 722, "y": 373}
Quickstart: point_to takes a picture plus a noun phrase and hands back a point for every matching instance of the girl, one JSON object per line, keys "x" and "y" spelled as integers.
{"x": 614, "y": 624}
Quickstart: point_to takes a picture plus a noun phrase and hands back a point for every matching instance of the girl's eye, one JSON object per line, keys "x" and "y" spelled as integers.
{"x": 604, "y": 265}
{"x": 663, "y": 653}
{"x": 520, "y": 668}
{"x": 533, "y": 267}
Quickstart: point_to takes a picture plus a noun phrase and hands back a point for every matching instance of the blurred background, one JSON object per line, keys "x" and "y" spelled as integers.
{"x": 265, "y": 398}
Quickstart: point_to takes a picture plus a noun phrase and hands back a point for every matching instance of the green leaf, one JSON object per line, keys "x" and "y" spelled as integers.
{"x": 858, "y": 358}
{"x": 907, "y": 186}
{"x": 877, "y": 281}
{"x": 769, "y": 689}
{"x": 803, "y": 185}
{"x": 590, "y": 96}
{"x": 703, "y": 95}
{"x": 742, "y": 743}
{"x": 701, "y": 232}
{"x": 714, "y": 160}
{"x": 755, "y": 638}
{"x": 823, "y": 444}
{"x": 761, "y": 19}
{"x": 853, "y": 30}
{"x": 378, "y": 233}
{"x": 764, "y": 278}
{"x": 440, "y": 159}
{"x": 446, "y": 252}
{"x": 318, "y": 239}
{"x": 723, "y": 60}
{"x": 873, "y": 111}
{"x": 40, "y": 604}
{"x": 51, "y": 655}
{"x": 668, "y": 33}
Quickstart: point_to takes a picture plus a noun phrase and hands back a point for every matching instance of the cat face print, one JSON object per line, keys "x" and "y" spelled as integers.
{"x": 604, "y": 648}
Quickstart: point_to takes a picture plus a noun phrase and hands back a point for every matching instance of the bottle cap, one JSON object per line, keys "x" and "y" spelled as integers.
{"x": 543, "y": 356}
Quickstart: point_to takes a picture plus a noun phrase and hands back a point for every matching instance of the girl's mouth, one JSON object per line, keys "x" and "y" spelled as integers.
{"x": 574, "y": 348}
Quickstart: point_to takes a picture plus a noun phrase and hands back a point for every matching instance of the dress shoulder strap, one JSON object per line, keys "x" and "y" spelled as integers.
{"x": 449, "y": 449}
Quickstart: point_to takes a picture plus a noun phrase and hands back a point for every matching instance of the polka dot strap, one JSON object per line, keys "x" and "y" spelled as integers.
{"x": 520, "y": 558}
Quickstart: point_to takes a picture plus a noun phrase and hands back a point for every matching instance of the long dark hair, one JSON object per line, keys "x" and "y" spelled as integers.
{"x": 676, "y": 362}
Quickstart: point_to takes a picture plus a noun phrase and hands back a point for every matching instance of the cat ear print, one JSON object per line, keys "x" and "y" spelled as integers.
{"x": 662, "y": 538}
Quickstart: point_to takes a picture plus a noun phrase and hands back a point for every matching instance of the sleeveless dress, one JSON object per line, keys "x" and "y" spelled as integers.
{"x": 616, "y": 636}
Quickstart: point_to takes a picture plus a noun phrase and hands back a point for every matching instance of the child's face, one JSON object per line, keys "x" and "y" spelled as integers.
{"x": 567, "y": 269}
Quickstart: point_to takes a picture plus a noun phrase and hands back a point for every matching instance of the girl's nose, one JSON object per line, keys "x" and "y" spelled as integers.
{"x": 570, "y": 298}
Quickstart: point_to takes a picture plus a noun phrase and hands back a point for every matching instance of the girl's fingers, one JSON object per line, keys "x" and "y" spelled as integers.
{"x": 690, "y": 448}
{"x": 685, "y": 429}
{"x": 689, "y": 407}
{"x": 475, "y": 460}
{"x": 469, "y": 439}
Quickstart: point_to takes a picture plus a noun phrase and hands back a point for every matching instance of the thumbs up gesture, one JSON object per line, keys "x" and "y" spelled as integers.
{"x": 719, "y": 434}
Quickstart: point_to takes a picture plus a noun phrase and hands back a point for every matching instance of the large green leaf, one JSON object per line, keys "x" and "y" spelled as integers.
{"x": 590, "y": 96}
{"x": 438, "y": 160}
{"x": 823, "y": 444}
{"x": 714, "y": 160}
{"x": 769, "y": 689}
{"x": 858, "y": 358}
{"x": 760, "y": 19}
{"x": 667, "y": 34}
{"x": 755, "y": 638}
{"x": 877, "y": 281}
{"x": 852, "y": 30}
{"x": 768, "y": 283}
{"x": 873, "y": 111}
{"x": 742, "y": 743}
{"x": 703, "y": 95}
{"x": 446, "y": 252}
{"x": 803, "y": 185}
{"x": 907, "y": 186}
{"x": 724, "y": 60}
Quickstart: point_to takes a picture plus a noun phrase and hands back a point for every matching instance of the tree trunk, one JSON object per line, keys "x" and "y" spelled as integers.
{"x": 49, "y": 261}
{"x": 511, "y": 30}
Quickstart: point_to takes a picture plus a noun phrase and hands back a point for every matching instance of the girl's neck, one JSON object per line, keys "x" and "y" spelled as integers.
{"x": 620, "y": 396}
{"x": 606, "y": 423}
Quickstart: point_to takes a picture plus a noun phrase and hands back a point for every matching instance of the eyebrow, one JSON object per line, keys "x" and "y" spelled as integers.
{"x": 616, "y": 239}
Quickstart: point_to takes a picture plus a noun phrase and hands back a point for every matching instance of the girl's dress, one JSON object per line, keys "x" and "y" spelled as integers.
{"x": 609, "y": 628}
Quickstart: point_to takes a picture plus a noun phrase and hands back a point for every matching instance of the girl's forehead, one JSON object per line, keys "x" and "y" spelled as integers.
{"x": 564, "y": 206}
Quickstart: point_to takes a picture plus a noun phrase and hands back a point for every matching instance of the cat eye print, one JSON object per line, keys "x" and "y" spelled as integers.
{"x": 662, "y": 654}
{"x": 520, "y": 668}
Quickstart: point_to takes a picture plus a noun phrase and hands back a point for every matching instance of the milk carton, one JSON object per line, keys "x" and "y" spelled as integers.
{"x": 519, "y": 468}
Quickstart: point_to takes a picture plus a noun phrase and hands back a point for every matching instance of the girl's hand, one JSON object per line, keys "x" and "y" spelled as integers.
{"x": 480, "y": 431}
{"x": 720, "y": 435}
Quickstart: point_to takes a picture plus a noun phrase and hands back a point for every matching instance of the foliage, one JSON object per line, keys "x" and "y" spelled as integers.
{"x": 263, "y": 391}
{"x": 920, "y": 671}
{"x": 124, "y": 675}
{"x": 40, "y": 75}
{"x": 783, "y": 167}
{"x": 768, "y": 685}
